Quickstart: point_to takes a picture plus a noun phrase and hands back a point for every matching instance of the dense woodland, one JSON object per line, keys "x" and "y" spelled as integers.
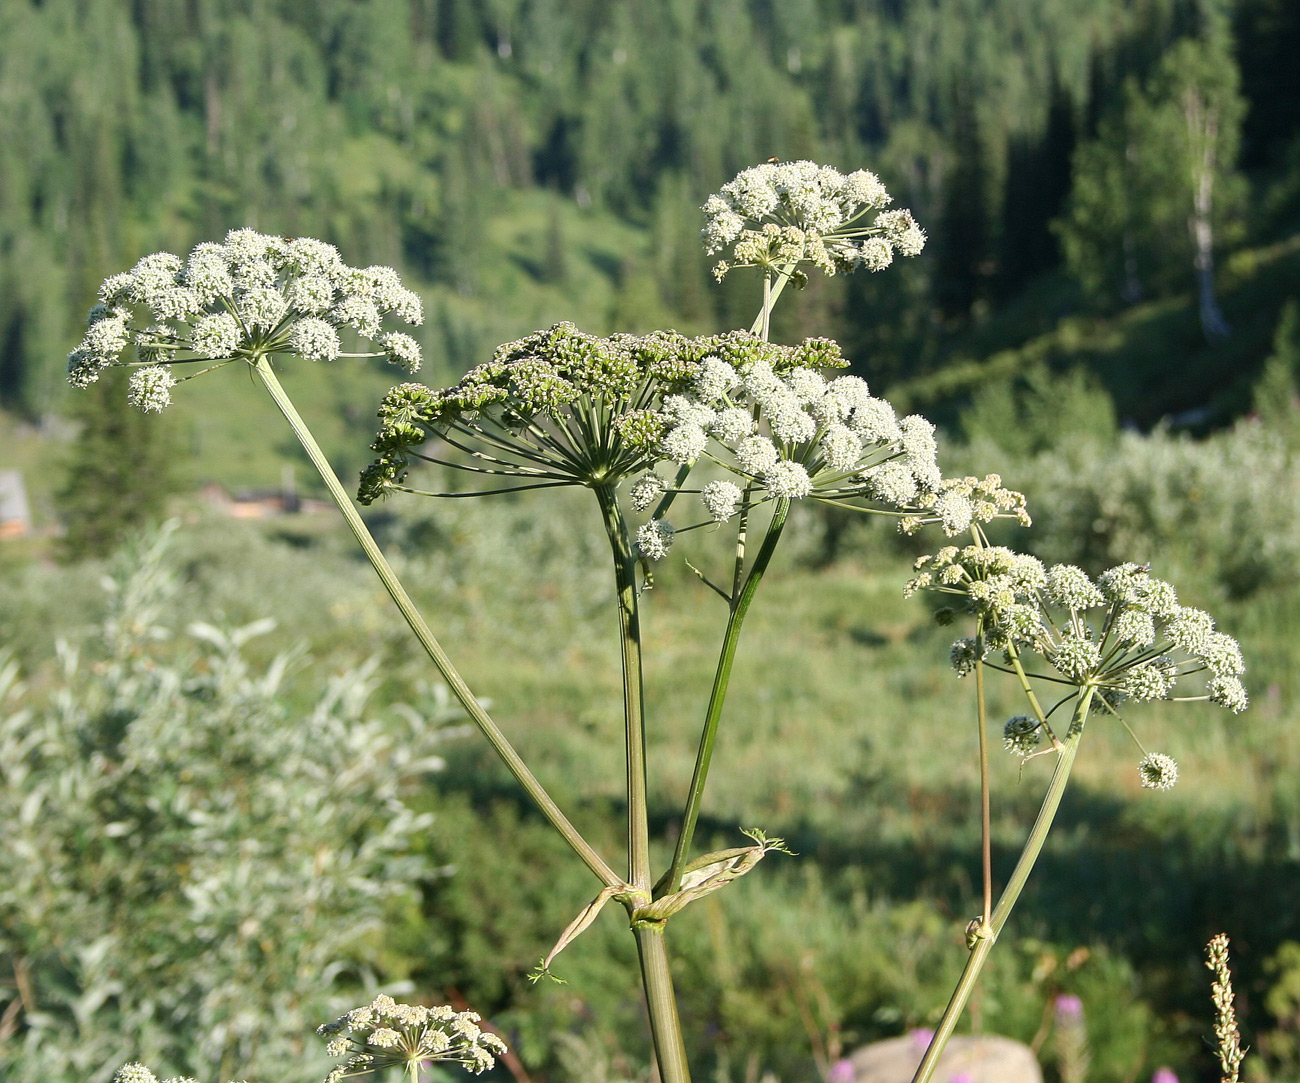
{"x": 465, "y": 142}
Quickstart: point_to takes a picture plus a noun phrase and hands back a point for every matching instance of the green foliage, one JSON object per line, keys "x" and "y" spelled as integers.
{"x": 1036, "y": 412}
{"x": 1282, "y": 1046}
{"x": 192, "y": 871}
{"x": 1126, "y": 232}
{"x": 1226, "y": 506}
{"x": 404, "y": 131}
{"x": 1276, "y": 391}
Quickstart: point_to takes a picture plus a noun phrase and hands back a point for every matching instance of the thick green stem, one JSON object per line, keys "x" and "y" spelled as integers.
{"x": 721, "y": 678}
{"x": 656, "y": 979}
{"x": 433, "y": 648}
{"x": 661, "y": 1002}
{"x": 638, "y": 831}
{"x": 1010, "y": 894}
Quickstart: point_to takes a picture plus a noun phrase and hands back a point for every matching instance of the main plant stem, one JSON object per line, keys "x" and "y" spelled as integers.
{"x": 1028, "y": 856}
{"x": 656, "y": 977}
{"x": 661, "y": 1002}
{"x": 629, "y": 626}
{"x": 432, "y": 647}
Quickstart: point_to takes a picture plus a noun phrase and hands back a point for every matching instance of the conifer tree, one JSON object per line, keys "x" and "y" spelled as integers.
{"x": 1276, "y": 398}
{"x": 120, "y": 474}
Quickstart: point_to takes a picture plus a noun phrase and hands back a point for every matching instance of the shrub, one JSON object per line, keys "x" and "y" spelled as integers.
{"x": 190, "y": 875}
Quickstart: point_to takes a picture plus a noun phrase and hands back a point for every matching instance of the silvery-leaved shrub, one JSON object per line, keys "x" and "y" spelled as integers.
{"x": 1228, "y": 504}
{"x": 198, "y": 851}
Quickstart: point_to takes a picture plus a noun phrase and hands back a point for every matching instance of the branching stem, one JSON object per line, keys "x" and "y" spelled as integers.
{"x": 721, "y": 678}
{"x": 432, "y": 647}
{"x": 1010, "y": 894}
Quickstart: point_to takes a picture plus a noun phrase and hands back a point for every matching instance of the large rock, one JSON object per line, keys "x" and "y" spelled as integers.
{"x": 967, "y": 1059}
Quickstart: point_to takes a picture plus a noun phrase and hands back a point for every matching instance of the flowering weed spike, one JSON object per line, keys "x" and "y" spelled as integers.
{"x": 1226, "y": 1033}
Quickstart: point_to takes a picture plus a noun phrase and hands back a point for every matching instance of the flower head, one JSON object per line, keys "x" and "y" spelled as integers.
{"x": 385, "y": 1034}
{"x": 720, "y": 499}
{"x": 1022, "y": 734}
{"x": 654, "y": 539}
{"x": 1122, "y": 638}
{"x": 1158, "y": 771}
{"x": 781, "y": 214}
{"x": 249, "y": 297}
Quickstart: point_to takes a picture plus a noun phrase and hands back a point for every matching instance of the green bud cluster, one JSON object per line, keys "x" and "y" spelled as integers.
{"x": 561, "y": 406}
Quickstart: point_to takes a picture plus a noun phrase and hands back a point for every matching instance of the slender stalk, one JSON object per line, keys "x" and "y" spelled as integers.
{"x": 771, "y": 291}
{"x": 432, "y": 647}
{"x": 629, "y": 617}
{"x": 721, "y": 678}
{"x": 1030, "y": 694}
{"x": 986, "y": 825}
{"x": 1010, "y": 894}
{"x": 661, "y": 1002}
{"x": 741, "y": 597}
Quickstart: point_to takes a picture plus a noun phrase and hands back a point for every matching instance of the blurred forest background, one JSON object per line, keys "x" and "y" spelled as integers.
{"x": 1107, "y": 313}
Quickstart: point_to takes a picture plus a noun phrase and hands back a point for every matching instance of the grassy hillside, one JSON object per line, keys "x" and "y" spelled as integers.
{"x": 1153, "y": 357}
{"x": 847, "y": 734}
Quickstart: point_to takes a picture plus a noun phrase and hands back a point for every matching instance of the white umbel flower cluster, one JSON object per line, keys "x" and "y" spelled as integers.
{"x": 251, "y": 296}
{"x": 794, "y": 434}
{"x": 1124, "y": 634}
{"x": 1158, "y": 771}
{"x": 138, "y": 1073}
{"x": 385, "y": 1034}
{"x": 781, "y": 214}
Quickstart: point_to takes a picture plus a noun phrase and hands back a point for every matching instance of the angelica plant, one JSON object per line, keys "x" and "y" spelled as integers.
{"x": 1079, "y": 645}
{"x": 634, "y": 418}
{"x": 720, "y": 432}
{"x": 561, "y": 407}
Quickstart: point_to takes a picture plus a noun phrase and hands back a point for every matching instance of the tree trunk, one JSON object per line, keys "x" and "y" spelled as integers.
{"x": 1203, "y": 130}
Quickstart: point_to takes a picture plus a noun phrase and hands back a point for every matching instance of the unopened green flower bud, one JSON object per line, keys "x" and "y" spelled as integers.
{"x": 963, "y": 655}
{"x": 1021, "y": 735}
